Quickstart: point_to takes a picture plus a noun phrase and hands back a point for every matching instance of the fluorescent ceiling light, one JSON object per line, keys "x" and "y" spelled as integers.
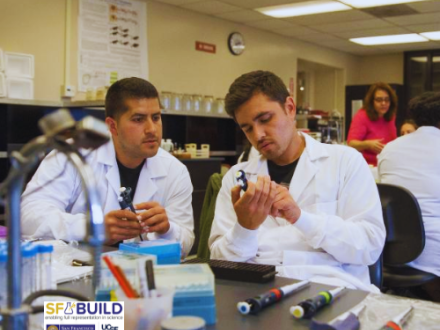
{"x": 435, "y": 35}
{"x": 393, "y": 39}
{"x": 375, "y": 3}
{"x": 303, "y": 8}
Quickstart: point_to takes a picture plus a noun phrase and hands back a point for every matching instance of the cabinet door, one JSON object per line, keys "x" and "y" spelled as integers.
{"x": 417, "y": 74}
{"x": 436, "y": 72}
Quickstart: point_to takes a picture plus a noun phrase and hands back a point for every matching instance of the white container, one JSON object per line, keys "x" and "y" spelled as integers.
{"x": 20, "y": 88}
{"x": 3, "y": 92}
{"x": 2, "y": 61}
{"x": 19, "y": 65}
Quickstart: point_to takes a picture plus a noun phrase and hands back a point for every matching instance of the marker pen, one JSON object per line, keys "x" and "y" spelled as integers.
{"x": 308, "y": 308}
{"x": 256, "y": 304}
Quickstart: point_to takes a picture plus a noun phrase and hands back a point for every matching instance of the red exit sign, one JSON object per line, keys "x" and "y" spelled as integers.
{"x": 205, "y": 47}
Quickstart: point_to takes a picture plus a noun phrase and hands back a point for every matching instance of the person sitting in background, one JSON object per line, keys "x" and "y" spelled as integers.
{"x": 310, "y": 208}
{"x": 161, "y": 185}
{"x": 373, "y": 126}
{"x": 413, "y": 161}
{"x": 408, "y": 126}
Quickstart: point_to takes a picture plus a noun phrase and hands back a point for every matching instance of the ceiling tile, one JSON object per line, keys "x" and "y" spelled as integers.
{"x": 411, "y": 46}
{"x": 424, "y": 27}
{"x": 177, "y": 2}
{"x": 271, "y": 24}
{"x": 337, "y": 17}
{"x": 425, "y": 6}
{"x": 317, "y": 37}
{"x": 352, "y": 26}
{"x": 371, "y": 32}
{"x": 259, "y": 3}
{"x": 296, "y": 31}
{"x": 243, "y": 16}
{"x": 211, "y": 7}
{"x": 414, "y": 19}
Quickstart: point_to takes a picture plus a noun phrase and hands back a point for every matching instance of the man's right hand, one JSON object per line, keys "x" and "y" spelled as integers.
{"x": 121, "y": 225}
{"x": 376, "y": 145}
{"x": 254, "y": 206}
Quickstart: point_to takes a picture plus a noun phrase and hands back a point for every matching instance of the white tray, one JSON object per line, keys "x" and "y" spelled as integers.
{"x": 19, "y": 65}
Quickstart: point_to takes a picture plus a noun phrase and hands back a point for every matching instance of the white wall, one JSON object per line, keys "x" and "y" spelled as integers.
{"x": 386, "y": 68}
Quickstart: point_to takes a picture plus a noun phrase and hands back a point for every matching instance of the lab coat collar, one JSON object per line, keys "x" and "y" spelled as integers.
{"x": 307, "y": 166}
{"x": 151, "y": 170}
{"x": 432, "y": 130}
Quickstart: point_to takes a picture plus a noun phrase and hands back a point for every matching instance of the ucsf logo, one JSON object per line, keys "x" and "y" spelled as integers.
{"x": 108, "y": 327}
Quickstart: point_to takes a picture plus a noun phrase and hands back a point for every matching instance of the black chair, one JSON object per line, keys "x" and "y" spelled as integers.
{"x": 405, "y": 238}
{"x": 376, "y": 271}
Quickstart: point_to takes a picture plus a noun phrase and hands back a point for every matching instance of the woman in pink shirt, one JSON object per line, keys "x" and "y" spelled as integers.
{"x": 373, "y": 126}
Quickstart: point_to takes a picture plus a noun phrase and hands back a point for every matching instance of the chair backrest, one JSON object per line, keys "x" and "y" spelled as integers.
{"x": 376, "y": 271}
{"x": 405, "y": 238}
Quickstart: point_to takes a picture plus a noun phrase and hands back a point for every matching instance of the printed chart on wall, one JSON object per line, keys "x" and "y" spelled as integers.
{"x": 112, "y": 42}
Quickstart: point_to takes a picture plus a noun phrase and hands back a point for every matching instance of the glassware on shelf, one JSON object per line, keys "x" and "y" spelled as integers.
{"x": 207, "y": 104}
{"x": 187, "y": 102}
{"x": 165, "y": 100}
{"x": 220, "y": 105}
{"x": 197, "y": 102}
{"x": 176, "y": 101}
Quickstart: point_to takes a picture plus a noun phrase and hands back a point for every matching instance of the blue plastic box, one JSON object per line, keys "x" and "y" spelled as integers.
{"x": 166, "y": 251}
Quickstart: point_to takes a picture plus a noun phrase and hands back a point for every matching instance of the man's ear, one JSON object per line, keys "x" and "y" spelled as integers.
{"x": 290, "y": 106}
{"x": 112, "y": 125}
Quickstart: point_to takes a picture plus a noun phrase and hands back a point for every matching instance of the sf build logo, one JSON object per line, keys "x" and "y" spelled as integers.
{"x": 90, "y": 315}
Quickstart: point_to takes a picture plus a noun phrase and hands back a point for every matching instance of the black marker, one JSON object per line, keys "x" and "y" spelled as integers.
{"x": 126, "y": 203}
{"x": 256, "y": 304}
{"x": 241, "y": 180}
{"x": 150, "y": 278}
{"x": 308, "y": 308}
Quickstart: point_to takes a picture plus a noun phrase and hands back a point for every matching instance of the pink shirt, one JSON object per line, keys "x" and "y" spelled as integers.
{"x": 362, "y": 128}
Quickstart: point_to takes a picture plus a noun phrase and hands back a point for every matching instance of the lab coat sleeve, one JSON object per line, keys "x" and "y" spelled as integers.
{"x": 228, "y": 239}
{"x": 355, "y": 233}
{"x": 45, "y": 205}
{"x": 179, "y": 209}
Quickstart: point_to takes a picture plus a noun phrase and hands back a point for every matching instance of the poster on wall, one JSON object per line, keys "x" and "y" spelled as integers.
{"x": 112, "y": 42}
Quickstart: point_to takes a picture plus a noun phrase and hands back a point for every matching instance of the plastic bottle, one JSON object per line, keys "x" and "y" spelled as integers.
{"x": 45, "y": 266}
{"x": 3, "y": 276}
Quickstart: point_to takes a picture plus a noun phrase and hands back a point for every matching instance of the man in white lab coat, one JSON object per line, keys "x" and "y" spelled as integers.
{"x": 312, "y": 209}
{"x": 161, "y": 186}
{"x": 413, "y": 161}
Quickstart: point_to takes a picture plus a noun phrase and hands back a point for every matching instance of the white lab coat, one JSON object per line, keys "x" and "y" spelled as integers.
{"x": 57, "y": 210}
{"x": 339, "y": 233}
{"x": 413, "y": 161}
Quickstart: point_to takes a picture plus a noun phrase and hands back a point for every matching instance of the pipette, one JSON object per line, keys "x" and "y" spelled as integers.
{"x": 126, "y": 203}
{"x": 347, "y": 321}
{"x": 308, "y": 308}
{"x": 256, "y": 304}
{"x": 397, "y": 322}
{"x": 241, "y": 180}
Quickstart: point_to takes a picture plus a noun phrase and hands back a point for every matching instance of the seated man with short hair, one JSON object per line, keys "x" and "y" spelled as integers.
{"x": 310, "y": 208}
{"x": 160, "y": 184}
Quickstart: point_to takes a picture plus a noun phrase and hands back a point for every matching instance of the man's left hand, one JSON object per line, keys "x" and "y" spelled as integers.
{"x": 154, "y": 219}
{"x": 285, "y": 206}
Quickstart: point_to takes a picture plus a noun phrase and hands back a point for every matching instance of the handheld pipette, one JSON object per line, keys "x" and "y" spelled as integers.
{"x": 347, "y": 321}
{"x": 397, "y": 322}
{"x": 308, "y": 308}
{"x": 125, "y": 201}
{"x": 256, "y": 304}
{"x": 241, "y": 180}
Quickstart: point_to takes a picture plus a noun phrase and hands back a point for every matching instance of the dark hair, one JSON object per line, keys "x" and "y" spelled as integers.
{"x": 252, "y": 83}
{"x": 124, "y": 89}
{"x": 425, "y": 109}
{"x": 369, "y": 101}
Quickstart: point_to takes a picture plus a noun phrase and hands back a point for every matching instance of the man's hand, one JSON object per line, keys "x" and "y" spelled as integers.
{"x": 284, "y": 206}
{"x": 154, "y": 219}
{"x": 254, "y": 206}
{"x": 376, "y": 145}
{"x": 121, "y": 225}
